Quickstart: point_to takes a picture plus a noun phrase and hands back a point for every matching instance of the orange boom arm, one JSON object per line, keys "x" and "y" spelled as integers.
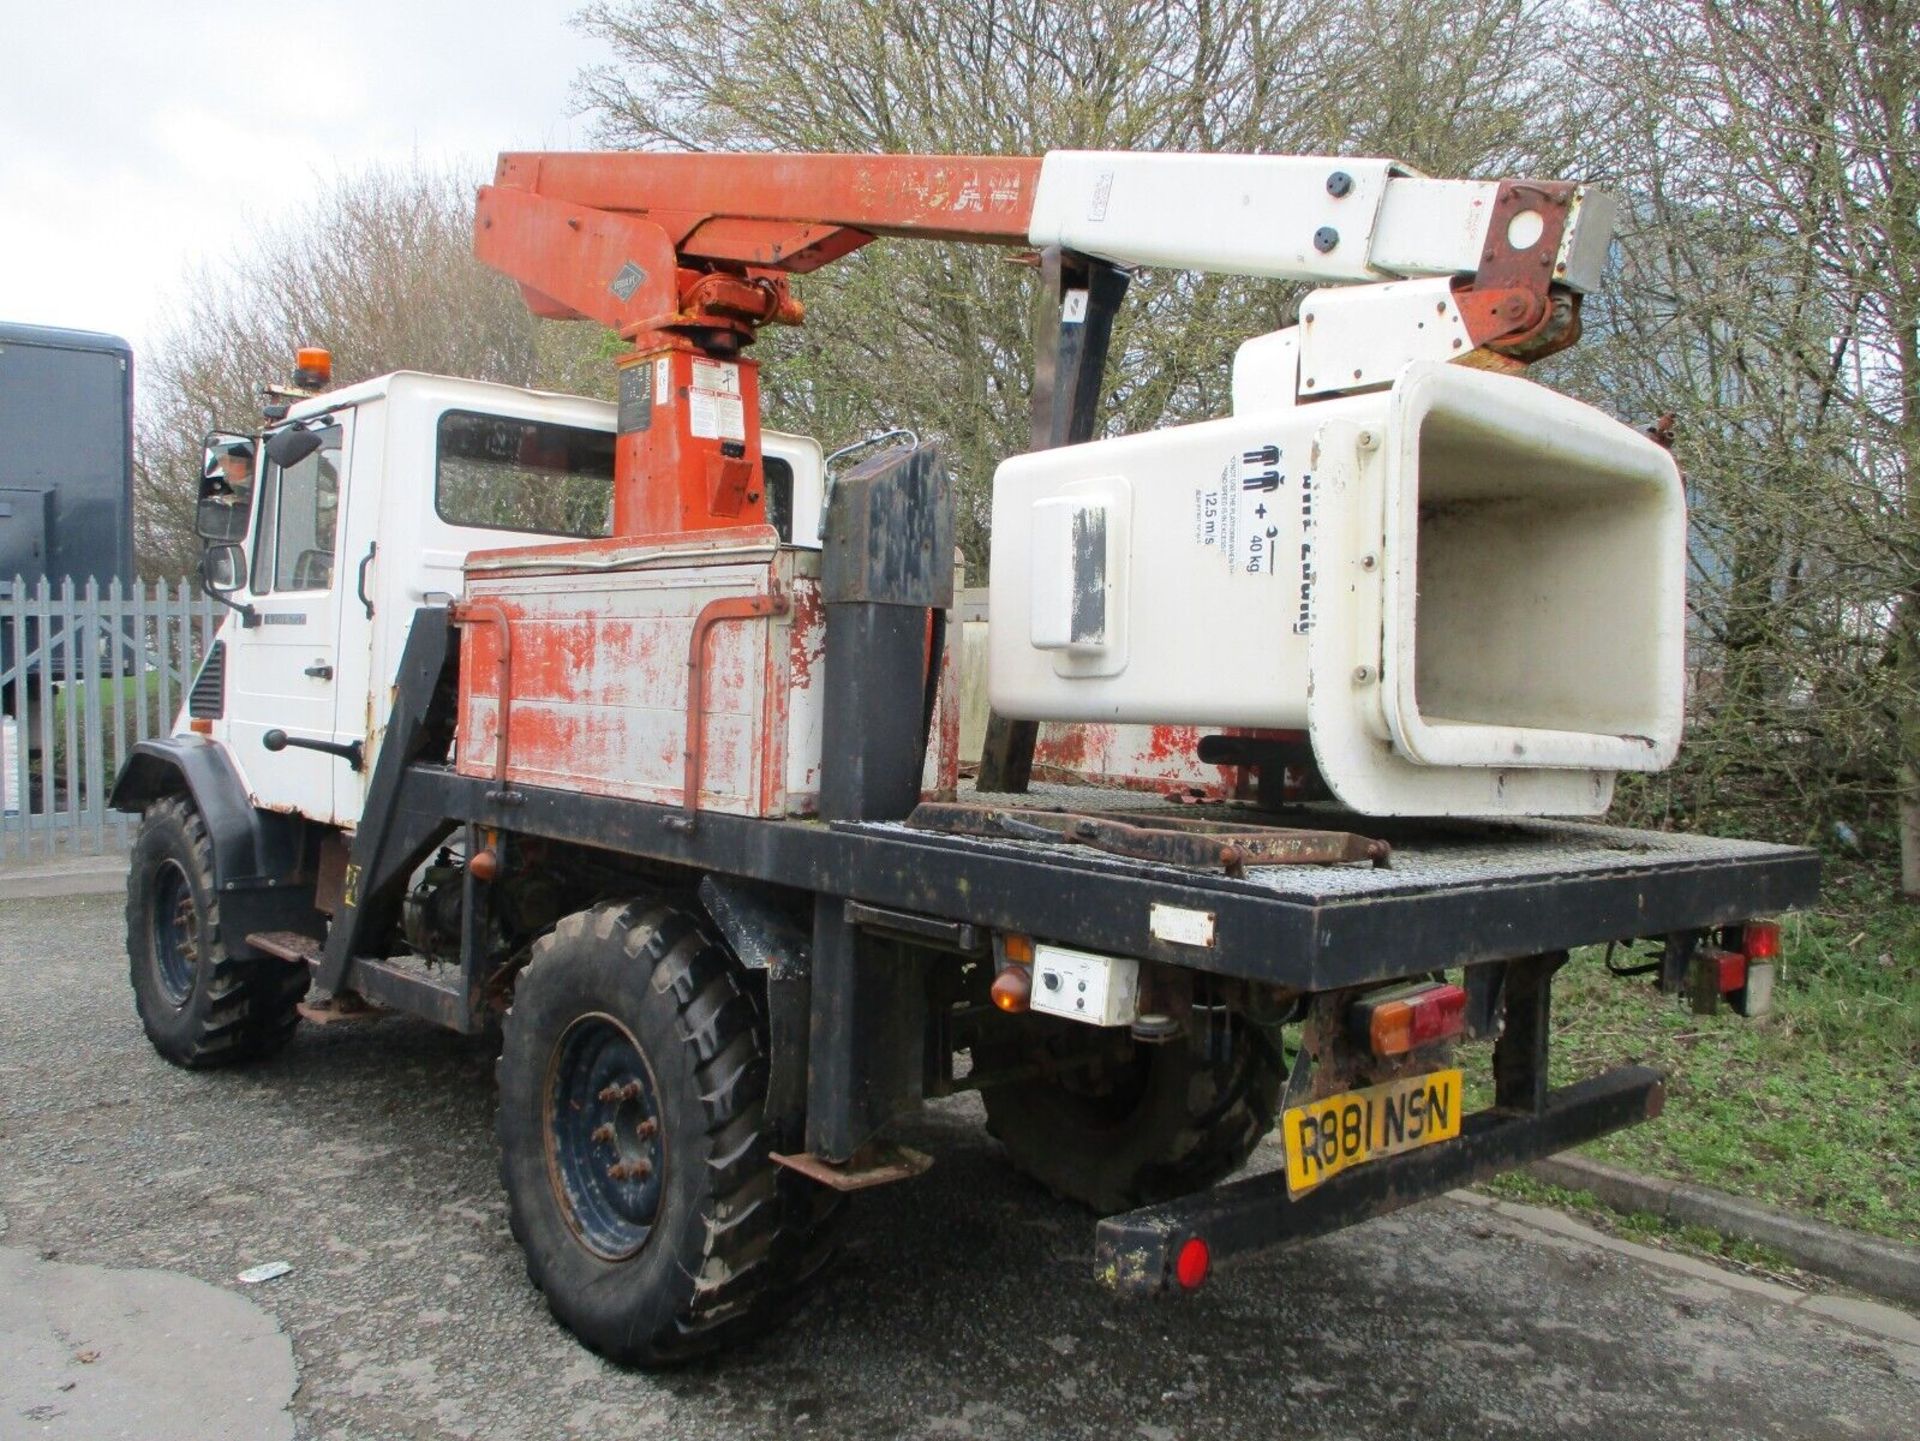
{"x": 686, "y": 256}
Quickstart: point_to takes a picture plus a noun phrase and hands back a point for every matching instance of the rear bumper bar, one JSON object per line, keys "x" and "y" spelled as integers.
{"x": 1134, "y": 1253}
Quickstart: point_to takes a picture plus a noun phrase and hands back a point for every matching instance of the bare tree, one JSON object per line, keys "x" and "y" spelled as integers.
{"x": 1771, "y": 150}
{"x": 379, "y": 269}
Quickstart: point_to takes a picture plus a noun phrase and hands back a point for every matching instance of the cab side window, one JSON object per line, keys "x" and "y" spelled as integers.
{"x": 499, "y": 473}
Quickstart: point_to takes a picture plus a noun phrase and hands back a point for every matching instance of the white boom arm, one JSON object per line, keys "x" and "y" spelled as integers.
{"x": 1483, "y": 269}
{"x": 1299, "y": 217}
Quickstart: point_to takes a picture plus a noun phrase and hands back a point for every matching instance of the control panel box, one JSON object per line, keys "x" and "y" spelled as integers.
{"x": 1100, "y": 990}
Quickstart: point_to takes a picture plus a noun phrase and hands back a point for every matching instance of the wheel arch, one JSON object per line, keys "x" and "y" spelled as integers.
{"x": 248, "y": 844}
{"x": 262, "y": 863}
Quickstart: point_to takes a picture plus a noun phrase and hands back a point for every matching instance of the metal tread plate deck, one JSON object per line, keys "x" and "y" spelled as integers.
{"x": 1459, "y": 895}
{"x": 1426, "y": 853}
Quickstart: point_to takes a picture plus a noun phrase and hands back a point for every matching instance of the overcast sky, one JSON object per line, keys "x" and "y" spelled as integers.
{"x": 138, "y": 138}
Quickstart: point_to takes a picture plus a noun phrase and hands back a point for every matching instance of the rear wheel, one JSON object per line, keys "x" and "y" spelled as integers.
{"x": 200, "y": 1006}
{"x": 633, "y": 1146}
{"x": 1165, "y": 1121}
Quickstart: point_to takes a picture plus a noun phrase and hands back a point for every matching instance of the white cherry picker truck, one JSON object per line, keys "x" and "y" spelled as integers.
{"x": 629, "y": 729}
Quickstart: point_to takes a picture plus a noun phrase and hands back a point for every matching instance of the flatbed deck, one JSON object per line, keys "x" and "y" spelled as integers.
{"x": 1426, "y": 855}
{"x": 1452, "y": 892}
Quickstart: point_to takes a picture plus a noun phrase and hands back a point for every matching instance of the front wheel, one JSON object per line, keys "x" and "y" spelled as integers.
{"x": 200, "y": 1005}
{"x": 639, "y": 1181}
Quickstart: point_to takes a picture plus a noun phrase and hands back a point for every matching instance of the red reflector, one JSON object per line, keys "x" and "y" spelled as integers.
{"x": 1439, "y": 1013}
{"x": 1733, "y": 972}
{"x": 1190, "y": 1267}
{"x": 1760, "y": 940}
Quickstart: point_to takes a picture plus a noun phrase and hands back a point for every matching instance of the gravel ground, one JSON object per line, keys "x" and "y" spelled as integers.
{"x": 965, "y": 1306}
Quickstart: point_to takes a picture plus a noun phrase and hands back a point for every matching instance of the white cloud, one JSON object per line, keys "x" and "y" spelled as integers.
{"x": 139, "y": 139}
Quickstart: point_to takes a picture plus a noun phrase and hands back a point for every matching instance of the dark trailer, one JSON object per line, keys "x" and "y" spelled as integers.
{"x": 66, "y": 469}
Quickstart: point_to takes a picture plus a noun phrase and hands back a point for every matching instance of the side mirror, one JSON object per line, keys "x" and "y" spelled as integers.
{"x": 226, "y": 487}
{"x": 221, "y": 519}
{"x": 223, "y": 567}
{"x": 287, "y": 448}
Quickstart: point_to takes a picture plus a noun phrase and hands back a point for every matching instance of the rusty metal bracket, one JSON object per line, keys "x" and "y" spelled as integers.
{"x": 340, "y": 1008}
{"x": 875, "y": 1164}
{"x": 289, "y": 946}
{"x": 1170, "y": 840}
{"x": 1511, "y": 304}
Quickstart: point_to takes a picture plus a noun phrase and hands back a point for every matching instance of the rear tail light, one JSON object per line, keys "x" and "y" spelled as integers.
{"x": 1733, "y": 971}
{"x": 1406, "y": 1020}
{"x": 1740, "y": 970}
{"x": 1012, "y": 988}
{"x": 1390, "y": 1029}
{"x": 1759, "y": 943}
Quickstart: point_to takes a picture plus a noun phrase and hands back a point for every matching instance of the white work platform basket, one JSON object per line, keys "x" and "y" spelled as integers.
{"x": 1468, "y": 590}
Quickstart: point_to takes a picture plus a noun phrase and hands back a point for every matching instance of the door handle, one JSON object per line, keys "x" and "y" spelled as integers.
{"x": 320, "y": 670}
{"x": 360, "y": 585}
{"x": 352, "y": 752}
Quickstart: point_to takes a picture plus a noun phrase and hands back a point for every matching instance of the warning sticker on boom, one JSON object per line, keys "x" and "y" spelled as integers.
{"x": 714, "y": 416}
{"x": 715, "y": 408}
{"x": 1238, "y": 517}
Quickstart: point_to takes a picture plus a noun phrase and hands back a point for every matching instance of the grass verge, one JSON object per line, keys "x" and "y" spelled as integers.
{"x": 1815, "y": 1108}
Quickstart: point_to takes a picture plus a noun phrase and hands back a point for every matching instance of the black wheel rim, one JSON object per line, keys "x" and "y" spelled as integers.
{"x": 605, "y": 1155}
{"x": 176, "y": 931}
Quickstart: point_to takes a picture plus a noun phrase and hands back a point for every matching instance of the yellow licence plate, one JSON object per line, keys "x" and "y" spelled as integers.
{"x": 1323, "y": 1138}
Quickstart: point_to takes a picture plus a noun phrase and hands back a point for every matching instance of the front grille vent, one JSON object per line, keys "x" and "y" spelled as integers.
{"x": 208, "y": 699}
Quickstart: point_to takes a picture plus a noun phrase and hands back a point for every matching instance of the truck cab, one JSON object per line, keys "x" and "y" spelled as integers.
{"x": 379, "y": 493}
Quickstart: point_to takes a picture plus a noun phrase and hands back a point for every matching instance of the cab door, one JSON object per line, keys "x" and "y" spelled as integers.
{"x": 282, "y": 673}
{"x": 366, "y": 549}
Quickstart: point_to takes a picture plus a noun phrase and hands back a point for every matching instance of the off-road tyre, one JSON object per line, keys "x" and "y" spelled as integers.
{"x": 716, "y": 1242}
{"x": 1169, "y": 1123}
{"x": 200, "y": 1005}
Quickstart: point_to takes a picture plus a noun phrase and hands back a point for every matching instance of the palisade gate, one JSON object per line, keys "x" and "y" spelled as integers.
{"x": 85, "y": 673}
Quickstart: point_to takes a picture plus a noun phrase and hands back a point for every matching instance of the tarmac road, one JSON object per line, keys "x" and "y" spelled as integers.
{"x": 965, "y": 1307}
